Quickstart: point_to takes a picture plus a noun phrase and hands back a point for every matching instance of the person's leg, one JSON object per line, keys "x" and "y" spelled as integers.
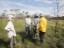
{"x": 26, "y": 30}
{"x": 14, "y": 40}
{"x": 34, "y": 30}
{"x": 11, "y": 42}
{"x": 29, "y": 31}
{"x": 41, "y": 35}
{"x": 34, "y": 35}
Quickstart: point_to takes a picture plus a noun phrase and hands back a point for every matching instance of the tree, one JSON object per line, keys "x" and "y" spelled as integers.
{"x": 16, "y": 11}
{"x": 57, "y": 30}
{"x": 3, "y": 15}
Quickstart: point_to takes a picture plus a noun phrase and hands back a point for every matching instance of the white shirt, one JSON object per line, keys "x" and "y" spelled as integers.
{"x": 28, "y": 21}
{"x": 10, "y": 27}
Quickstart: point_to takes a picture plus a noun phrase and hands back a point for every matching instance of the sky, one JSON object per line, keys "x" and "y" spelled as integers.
{"x": 46, "y": 7}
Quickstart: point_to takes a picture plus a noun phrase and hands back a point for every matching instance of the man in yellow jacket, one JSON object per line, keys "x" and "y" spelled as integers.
{"x": 42, "y": 27}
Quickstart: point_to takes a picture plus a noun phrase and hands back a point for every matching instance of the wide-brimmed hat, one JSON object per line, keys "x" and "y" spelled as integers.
{"x": 10, "y": 17}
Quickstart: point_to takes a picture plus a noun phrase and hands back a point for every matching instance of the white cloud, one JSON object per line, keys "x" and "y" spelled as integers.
{"x": 48, "y": 2}
{"x": 45, "y": 1}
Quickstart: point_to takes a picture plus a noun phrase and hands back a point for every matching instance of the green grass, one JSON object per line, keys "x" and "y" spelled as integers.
{"x": 51, "y": 39}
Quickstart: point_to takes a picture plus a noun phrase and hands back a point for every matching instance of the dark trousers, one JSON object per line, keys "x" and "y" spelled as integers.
{"x": 41, "y": 36}
{"x": 34, "y": 30}
{"x": 28, "y": 30}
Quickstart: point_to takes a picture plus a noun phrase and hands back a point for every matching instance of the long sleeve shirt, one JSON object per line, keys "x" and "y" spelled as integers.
{"x": 10, "y": 28}
{"x": 42, "y": 24}
{"x": 28, "y": 21}
{"x": 35, "y": 22}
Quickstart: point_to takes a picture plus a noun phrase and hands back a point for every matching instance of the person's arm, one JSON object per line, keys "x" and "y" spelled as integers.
{"x": 7, "y": 28}
{"x": 30, "y": 21}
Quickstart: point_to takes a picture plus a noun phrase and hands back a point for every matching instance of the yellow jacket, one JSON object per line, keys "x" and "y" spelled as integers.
{"x": 42, "y": 24}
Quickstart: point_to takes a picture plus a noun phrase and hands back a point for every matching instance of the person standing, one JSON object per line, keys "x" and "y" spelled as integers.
{"x": 28, "y": 25}
{"x": 11, "y": 31}
{"x": 42, "y": 27}
{"x": 35, "y": 24}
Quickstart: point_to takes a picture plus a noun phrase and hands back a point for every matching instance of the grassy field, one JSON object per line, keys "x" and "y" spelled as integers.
{"x": 52, "y": 39}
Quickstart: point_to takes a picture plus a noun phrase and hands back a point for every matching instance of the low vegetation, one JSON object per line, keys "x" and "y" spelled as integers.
{"x": 52, "y": 39}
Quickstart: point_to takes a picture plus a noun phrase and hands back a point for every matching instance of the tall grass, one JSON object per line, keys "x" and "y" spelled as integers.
{"x": 51, "y": 39}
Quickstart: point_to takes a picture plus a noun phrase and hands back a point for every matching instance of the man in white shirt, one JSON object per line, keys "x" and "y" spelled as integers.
{"x": 28, "y": 25}
{"x": 10, "y": 30}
